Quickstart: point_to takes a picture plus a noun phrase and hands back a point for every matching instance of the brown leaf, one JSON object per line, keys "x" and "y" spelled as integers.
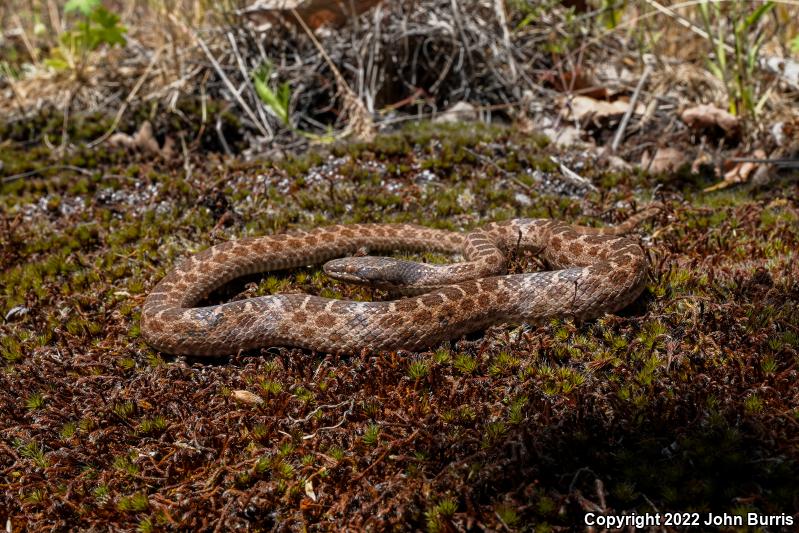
{"x": 707, "y": 116}
{"x": 576, "y": 81}
{"x": 740, "y": 173}
{"x": 142, "y": 140}
{"x": 665, "y": 160}
{"x": 586, "y": 109}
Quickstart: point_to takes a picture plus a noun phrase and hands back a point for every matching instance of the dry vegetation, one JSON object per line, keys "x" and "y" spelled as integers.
{"x": 686, "y": 401}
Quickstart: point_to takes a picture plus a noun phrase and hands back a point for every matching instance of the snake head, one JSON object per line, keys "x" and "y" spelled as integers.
{"x": 381, "y": 272}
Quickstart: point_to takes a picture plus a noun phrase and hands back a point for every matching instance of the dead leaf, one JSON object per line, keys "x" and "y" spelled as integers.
{"x": 458, "y": 112}
{"x": 615, "y": 162}
{"x": 740, "y": 173}
{"x": 565, "y": 136}
{"x": 309, "y": 490}
{"x": 665, "y": 160}
{"x": 577, "y": 81}
{"x": 245, "y": 396}
{"x": 143, "y": 140}
{"x": 586, "y": 109}
{"x": 707, "y": 116}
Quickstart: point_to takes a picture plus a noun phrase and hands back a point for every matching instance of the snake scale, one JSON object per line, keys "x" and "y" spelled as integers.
{"x": 595, "y": 271}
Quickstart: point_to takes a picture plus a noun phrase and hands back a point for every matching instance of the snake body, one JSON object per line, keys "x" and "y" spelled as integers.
{"x": 596, "y": 270}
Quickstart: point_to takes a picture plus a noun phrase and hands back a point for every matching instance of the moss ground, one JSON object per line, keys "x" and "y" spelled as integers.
{"x": 686, "y": 401}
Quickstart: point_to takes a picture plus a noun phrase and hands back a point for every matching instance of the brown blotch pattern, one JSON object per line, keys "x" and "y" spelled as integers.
{"x": 326, "y": 320}
{"x": 432, "y": 300}
{"x": 422, "y": 316}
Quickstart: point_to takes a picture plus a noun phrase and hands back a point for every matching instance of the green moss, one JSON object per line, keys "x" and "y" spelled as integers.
{"x": 135, "y": 503}
{"x": 371, "y": 434}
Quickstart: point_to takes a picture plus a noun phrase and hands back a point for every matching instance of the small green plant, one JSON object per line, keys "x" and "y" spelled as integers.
{"x": 442, "y": 356}
{"x": 155, "y": 424}
{"x": 96, "y": 27}
{"x": 493, "y": 433}
{"x": 262, "y": 464}
{"x": 32, "y": 451}
{"x": 768, "y": 365}
{"x": 516, "y": 410}
{"x": 36, "y": 496}
{"x": 134, "y": 503}
{"x": 34, "y": 401}
{"x": 145, "y": 525}
{"x": 285, "y": 449}
{"x": 271, "y": 387}
{"x": 371, "y": 434}
{"x": 465, "y": 364}
{"x": 124, "y": 463}
{"x": 504, "y": 362}
{"x": 303, "y": 394}
{"x": 336, "y": 453}
{"x": 439, "y": 513}
{"x": 736, "y": 67}
{"x": 124, "y": 410}
{"x": 418, "y": 369}
{"x": 508, "y": 515}
{"x": 277, "y": 99}
{"x": 11, "y": 349}
{"x": 282, "y": 469}
{"x": 68, "y": 430}
{"x": 753, "y": 404}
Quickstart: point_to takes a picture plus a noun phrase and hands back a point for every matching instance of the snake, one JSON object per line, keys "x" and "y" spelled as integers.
{"x": 592, "y": 271}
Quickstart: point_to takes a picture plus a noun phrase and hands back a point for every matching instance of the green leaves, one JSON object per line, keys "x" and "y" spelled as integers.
{"x": 737, "y": 51}
{"x": 104, "y": 30}
{"x": 96, "y": 27}
{"x": 84, "y": 6}
{"x": 99, "y": 28}
{"x": 277, "y": 100}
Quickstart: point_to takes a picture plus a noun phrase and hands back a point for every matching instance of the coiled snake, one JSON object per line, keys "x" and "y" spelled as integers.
{"x": 597, "y": 271}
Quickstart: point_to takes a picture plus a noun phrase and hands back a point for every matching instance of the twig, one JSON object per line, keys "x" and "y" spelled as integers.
{"x": 499, "y": 7}
{"x": 649, "y": 62}
{"x": 309, "y": 415}
{"x": 186, "y": 158}
{"x": 341, "y": 422}
{"x": 15, "y": 177}
{"x": 404, "y": 442}
{"x": 32, "y": 51}
{"x": 572, "y": 177}
{"x": 783, "y": 163}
